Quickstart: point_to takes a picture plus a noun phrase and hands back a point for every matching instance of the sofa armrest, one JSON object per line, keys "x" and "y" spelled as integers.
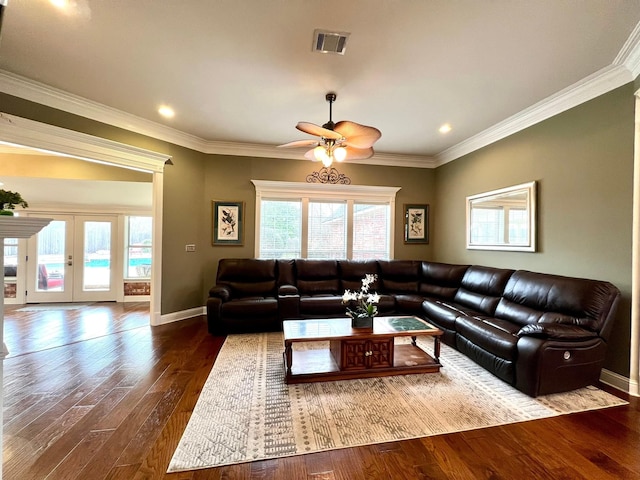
{"x": 556, "y": 331}
{"x": 285, "y": 290}
{"x": 220, "y": 291}
{"x": 288, "y": 302}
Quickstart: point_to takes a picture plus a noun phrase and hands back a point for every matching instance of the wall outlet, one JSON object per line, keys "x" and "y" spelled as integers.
{"x": 190, "y": 248}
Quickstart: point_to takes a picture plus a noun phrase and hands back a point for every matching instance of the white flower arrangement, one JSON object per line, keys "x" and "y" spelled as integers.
{"x": 365, "y": 301}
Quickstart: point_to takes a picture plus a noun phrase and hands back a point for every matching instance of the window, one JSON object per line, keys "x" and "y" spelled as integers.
{"x": 327, "y": 234}
{"x": 281, "y": 232}
{"x": 10, "y": 257}
{"x": 300, "y": 220}
{"x": 138, "y": 248}
{"x": 371, "y": 231}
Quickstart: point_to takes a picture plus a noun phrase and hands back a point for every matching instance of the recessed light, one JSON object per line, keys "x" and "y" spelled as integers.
{"x": 166, "y": 112}
{"x": 446, "y": 128}
{"x": 59, "y": 3}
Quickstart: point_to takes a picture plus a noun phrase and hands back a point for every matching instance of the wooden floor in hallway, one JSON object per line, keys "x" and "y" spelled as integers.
{"x": 95, "y": 393}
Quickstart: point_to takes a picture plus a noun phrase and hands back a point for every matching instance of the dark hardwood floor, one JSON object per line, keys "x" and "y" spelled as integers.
{"x": 96, "y": 393}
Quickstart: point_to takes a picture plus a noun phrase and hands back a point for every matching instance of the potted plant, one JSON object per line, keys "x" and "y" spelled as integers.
{"x": 365, "y": 303}
{"x": 9, "y": 200}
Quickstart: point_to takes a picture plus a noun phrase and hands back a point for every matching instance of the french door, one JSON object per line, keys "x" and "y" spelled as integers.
{"x": 73, "y": 260}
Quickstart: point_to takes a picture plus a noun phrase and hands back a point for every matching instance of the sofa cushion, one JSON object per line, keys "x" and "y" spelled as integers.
{"x": 353, "y": 271}
{"x": 497, "y": 338}
{"x": 482, "y": 287}
{"x": 317, "y": 277}
{"x": 399, "y": 276}
{"x": 573, "y": 301}
{"x": 322, "y": 305}
{"x": 408, "y": 303}
{"x": 444, "y": 313}
{"x": 441, "y": 280}
{"x": 247, "y": 277}
{"x": 250, "y": 307}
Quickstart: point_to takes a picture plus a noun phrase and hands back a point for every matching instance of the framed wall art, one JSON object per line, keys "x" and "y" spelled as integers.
{"x": 416, "y": 224}
{"x": 228, "y": 223}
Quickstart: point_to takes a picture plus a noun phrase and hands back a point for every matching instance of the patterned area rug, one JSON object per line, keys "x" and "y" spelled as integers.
{"x": 246, "y": 412}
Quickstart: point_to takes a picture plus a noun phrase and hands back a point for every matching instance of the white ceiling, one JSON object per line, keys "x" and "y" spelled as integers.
{"x": 71, "y": 193}
{"x": 243, "y": 72}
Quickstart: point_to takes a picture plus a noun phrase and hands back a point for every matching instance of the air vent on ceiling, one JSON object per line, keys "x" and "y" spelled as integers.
{"x": 325, "y": 41}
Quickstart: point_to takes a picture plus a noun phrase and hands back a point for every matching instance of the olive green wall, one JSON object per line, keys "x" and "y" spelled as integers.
{"x": 184, "y": 218}
{"x": 53, "y": 166}
{"x": 229, "y": 178}
{"x": 196, "y": 179}
{"x": 582, "y": 160}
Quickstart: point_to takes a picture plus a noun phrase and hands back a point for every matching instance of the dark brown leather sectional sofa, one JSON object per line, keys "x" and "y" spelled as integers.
{"x": 540, "y": 333}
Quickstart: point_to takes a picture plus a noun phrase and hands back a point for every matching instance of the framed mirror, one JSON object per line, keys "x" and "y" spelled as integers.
{"x": 503, "y": 219}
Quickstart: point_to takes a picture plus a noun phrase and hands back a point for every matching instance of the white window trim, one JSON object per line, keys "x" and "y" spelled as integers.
{"x": 321, "y": 191}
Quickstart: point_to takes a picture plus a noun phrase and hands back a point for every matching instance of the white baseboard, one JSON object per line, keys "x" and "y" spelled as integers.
{"x": 182, "y": 315}
{"x": 615, "y": 380}
{"x": 136, "y": 298}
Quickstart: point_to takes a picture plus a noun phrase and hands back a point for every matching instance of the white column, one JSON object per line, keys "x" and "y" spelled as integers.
{"x": 12, "y": 227}
{"x": 635, "y": 262}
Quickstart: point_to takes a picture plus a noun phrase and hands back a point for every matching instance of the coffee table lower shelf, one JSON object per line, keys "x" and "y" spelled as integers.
{"x": 320, "y": 365}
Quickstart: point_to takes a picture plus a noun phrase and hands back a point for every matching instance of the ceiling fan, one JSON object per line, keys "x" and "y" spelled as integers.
{"x": 338, "y": 141}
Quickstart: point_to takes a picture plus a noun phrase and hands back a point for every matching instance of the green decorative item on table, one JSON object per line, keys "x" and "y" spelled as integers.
{"x": 365, "y": 303}
{"x": 9, "y": 200}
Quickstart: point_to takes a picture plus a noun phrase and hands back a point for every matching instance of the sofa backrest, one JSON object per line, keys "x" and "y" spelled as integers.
{"x": 247, "y": 277}
{"x": 315, "y": 277}
{"x": 399, "y": 276}
{"x": 531, "y": 297}
{"x": 482, "y": 287}
{"x": 441, "y": 280}
{"x": 353, "y": 271}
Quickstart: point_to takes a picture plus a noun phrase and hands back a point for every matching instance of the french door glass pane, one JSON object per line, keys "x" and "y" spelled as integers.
{"x": 97, "y": 256}
{"x": 280, "y": 229}
{"x": 327, "y": 230}
{"x": 51, "y": 257}
{"x": 370, "y": 231}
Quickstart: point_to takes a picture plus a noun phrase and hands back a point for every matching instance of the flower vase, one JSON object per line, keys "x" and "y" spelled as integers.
{"x": 362, "y": 322}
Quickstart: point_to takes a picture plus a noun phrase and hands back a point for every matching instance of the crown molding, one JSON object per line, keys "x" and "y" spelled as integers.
{"x": 591, "y": 87}
{"x": 629, "y": 54}
{"x": 37, "y": 92}
{"x": 624, "y": 69}
{"x": 50, "y": 138}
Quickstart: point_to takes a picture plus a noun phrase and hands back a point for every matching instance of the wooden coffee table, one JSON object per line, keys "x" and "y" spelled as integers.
{"x": 357, "y": 353}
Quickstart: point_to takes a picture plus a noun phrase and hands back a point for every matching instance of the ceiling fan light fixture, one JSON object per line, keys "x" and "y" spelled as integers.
{"x": 339, "y": 153}
{"x": 320, "y": 153}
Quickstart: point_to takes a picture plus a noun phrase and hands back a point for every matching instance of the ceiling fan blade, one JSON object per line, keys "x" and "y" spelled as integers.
{"x": 358, "y": 153}
{"x": 299, "y": 143}
{"x": 358, "y": 136}
{"x": 313, "y": 129}
{"x": 310, "y": 156}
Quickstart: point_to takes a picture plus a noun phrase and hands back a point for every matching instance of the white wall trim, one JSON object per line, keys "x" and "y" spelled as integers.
{"x": 295, "y": 189}
{"x": 28, "y": 133}
{"x": 41, "y": 136}
{"x": 615, "y": 380}
{"x": 181, "y": 315}
{"x": 31, "y": 90}
{"x": 587, "y": 89}
{"x": 634, "y": 349}
{"x": 629, "y": 54}
{"x": 625, "y": 68}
